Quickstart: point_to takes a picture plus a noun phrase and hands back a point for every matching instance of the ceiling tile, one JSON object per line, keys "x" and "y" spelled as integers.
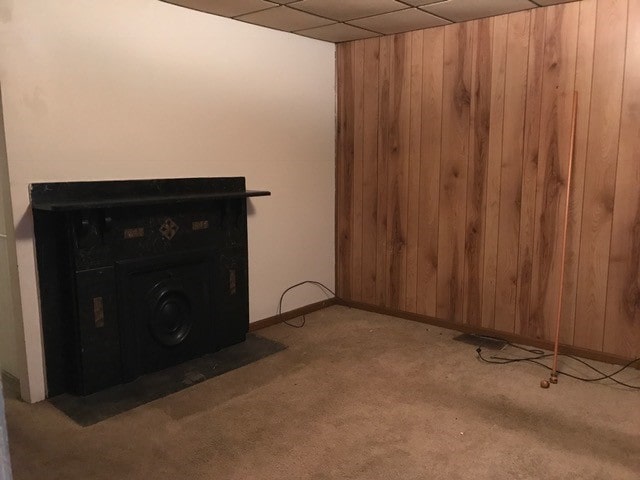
{"x": 463, "y": 10}
{"x": 226, "y": 8}
{"x": 343, "y": 10}
{"x": 544, "y": 3}
{"x": 418, "y": 3}
{"x": 401, "y": 21}
{"x": 338, "y": 32}
{"x": 284, "y": 18}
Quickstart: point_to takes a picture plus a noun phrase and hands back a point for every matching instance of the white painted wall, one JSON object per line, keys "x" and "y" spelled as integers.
{"x": 8, "y": 270}
{"x": 120, "y": 89}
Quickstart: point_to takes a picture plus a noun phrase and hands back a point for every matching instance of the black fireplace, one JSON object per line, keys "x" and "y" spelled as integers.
{"x": 136, "y": 276}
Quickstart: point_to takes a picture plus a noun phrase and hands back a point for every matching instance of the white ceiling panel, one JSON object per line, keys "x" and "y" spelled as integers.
{"x": 545, "y": 3}
{"x": 224, "y": 8}
{"x": 400, "y": 21}
{"x": 345, "y": 20}
{"x": 342, "y": 10}
{"x": 337, "y": 32}
{"x": 463, "y": 10}
{"x": 418, "y": 3}
{"x": 284, "y": 18}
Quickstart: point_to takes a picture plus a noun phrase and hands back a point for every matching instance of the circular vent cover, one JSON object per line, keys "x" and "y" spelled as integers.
{"x": 170, "y": 321}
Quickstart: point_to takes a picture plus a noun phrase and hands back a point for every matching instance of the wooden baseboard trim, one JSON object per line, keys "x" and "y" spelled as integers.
{"x": 511, "y": 337}
{"x": 307, "y": 309}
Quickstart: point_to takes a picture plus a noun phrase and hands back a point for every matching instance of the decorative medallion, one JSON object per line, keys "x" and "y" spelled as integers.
{"x": 169, "y": 229}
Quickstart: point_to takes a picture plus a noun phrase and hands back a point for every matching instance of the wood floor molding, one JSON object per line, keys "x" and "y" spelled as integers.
{"x": 466, "y": 328}
{"x": 307, "y": 309}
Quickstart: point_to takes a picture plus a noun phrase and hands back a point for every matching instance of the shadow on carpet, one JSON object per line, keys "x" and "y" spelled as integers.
{"x": 99, "y": 406}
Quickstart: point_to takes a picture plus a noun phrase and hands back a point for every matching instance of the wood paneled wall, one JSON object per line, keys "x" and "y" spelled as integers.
{"x": 452, "y": 156}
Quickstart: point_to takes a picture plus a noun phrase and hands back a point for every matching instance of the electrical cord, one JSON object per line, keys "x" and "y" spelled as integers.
{"x": 539, "y": 355}
{"x": 304, "y": 319}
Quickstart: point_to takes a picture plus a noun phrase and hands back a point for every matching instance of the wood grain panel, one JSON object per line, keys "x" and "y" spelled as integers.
{"x": 415, "y": 147}
{"x": 530, "y": 171}
{"x": 600, "y": 175}
{"x": 622, "y": 326}
{"x": 480, "y": 119}
{"x": 344, "y": 169}
{"x": 508, "y": 229}
{"x": 456, "y": 99}
{"x": 584, "y": 75}
{"x": 431, "y": 140}
{"x": 398, "y": 171}
{"x": 370, "y": 169}
{"x": 557, "y": 99}
{"x": 358, "y": 168}
{"x": 494, "y": 171}
{"x": 386, "y": 48}
{"x": 451, "y": 164}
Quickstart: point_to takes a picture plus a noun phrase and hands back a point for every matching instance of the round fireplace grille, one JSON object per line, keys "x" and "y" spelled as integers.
{"x": 170, "y": 321}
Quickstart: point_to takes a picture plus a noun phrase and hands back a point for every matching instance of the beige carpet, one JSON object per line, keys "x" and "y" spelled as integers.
{"x": 355, "y": 396}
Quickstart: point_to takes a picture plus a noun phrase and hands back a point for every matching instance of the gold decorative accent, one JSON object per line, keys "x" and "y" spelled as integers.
{"x": 98, "y": 312}
{"x": 133, "y": 232}
{"x": 232, "y": 282}
{"x": 169, "y": 229}
{"x": 200, "y": 225}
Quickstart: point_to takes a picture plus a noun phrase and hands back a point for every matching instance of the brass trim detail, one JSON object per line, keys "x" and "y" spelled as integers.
{"x": 232, "y": 282}
{"x": 98, "y": 312}
{"x": 137, "y": 232}
{"x": 200, "y": 225}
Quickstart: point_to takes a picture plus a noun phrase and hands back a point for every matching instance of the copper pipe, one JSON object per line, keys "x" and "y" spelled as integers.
{"x": 554, "y": 371}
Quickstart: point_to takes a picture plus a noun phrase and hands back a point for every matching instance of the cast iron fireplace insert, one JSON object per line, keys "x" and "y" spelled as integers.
{"x": 138, "y": 275}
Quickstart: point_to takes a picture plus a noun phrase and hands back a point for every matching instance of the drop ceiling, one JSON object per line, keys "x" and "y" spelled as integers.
{"x": 345, "y": 20}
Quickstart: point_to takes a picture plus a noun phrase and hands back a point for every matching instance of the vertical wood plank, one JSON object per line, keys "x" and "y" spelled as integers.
{"x": 339, "y": 213}
{"x": 386, "y": 49}
{"x": 480, "y": 119}
{"x": 344, "y": 170}
{"x": 398, "y": 172}
{"x": 453, "y": 175}
{"x": 511, "y": 170}
{"x": 370, "y": 169}
{"x": 494, "y": 171}
{"x": 554, "y": 144}
{"x": 584, "y": 74}
{"x": 358, "y": 161}
{"x": 622, "y": 327}
{"x": 530, "y": 169}
{"x": 600, "y": 175}
{"x": 432, "y": 95}
{"x": 415, "y": 137}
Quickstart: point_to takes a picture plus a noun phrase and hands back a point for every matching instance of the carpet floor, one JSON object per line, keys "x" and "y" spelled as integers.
{"x": 355, "y": 395}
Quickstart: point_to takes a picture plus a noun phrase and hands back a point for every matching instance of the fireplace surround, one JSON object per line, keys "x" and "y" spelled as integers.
{"x": 138, "y": 275}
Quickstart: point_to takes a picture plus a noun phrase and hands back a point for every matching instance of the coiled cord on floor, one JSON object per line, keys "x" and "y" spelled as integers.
{"x": 304, "y": 319}
{"x": 539, "y": 355}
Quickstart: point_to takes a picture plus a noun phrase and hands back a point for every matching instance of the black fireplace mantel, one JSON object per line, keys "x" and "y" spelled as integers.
{"x": 138, "y": 275}
{"x": 68, "y": 196}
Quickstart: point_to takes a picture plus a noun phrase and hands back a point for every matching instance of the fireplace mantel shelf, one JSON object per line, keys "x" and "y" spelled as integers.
{"x": 131, "y": 201}
{"x": 75, "y": 196}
